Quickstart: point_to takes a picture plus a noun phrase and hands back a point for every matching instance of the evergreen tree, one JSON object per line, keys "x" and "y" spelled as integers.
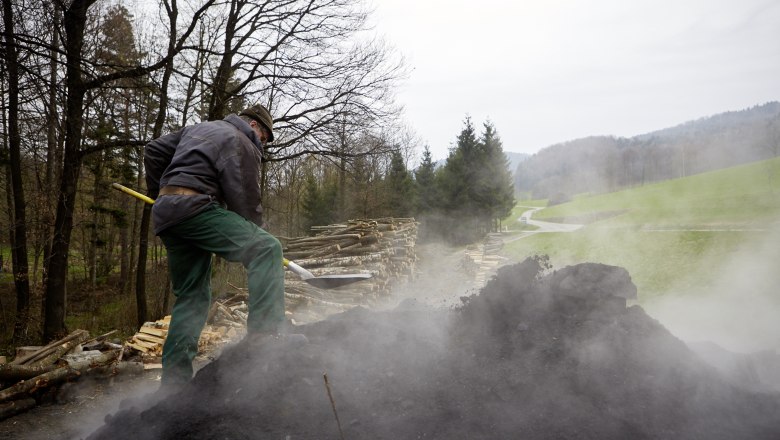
{"x": 318, "y": 203}
{"x": 496, "y": 188}
{"x": 427, "y": 199}
{"x": 455, "y": 183}
{"x": 475, "y": 185}
{"x": 400, "y": 187}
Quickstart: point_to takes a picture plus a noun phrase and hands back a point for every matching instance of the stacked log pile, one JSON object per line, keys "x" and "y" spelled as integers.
{"x": 482, "y": 260}
{"x": 36, "y": 372}
{"x": 383, "y": 247}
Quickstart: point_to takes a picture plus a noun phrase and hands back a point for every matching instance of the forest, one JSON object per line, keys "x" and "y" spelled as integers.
{"x": 86, "y": 84}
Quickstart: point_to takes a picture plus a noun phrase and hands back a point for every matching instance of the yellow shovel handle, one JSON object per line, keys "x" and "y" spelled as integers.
{"x": 133, "y": 193}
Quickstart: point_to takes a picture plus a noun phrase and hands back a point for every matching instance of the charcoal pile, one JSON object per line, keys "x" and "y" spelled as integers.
{"x": 536, "y": 355}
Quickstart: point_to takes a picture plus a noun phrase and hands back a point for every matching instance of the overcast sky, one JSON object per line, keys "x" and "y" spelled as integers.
{"x": 548, "y": 71}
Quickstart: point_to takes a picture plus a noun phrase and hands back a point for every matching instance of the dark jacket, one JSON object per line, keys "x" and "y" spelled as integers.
{"x": 219, "y": 159}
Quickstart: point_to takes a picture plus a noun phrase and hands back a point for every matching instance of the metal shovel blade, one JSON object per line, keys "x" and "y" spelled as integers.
{"x": 333, "y": 281}
{"x": 325, "y": 281}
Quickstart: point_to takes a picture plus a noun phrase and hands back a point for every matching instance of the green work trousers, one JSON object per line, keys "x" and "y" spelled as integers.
{"x": 190, "y": 245}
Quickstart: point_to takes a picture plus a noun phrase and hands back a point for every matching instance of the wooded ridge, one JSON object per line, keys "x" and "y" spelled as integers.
{"x": 606, "y": 163}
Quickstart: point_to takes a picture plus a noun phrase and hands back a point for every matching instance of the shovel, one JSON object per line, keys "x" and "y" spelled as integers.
{"x": 322, "y": 281}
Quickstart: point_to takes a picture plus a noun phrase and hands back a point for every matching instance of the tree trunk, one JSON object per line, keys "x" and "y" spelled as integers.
{"x": 140, "y": 273}
{"x": 19, "y": 224}
{"x": 94, "y": 231}
{"x": 53, "y": 154}
{"x": 219, "y": 92}
{"x": 74, "y": 21}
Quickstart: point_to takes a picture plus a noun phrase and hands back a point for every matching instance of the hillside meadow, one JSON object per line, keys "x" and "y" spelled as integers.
{"x": 707, "y": 238}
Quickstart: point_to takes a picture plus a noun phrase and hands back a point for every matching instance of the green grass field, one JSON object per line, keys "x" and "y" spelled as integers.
{"x": 677, "y": 236}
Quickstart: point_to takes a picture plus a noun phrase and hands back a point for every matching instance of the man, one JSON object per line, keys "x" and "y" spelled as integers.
{"x": 205, "y": 179}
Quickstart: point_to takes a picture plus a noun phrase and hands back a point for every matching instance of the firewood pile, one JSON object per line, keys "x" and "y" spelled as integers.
{"x": 36, "y": 372}
{"x": 226, "y": 322}
{"x": 482, "y": 260}
{"x": 383, "y": 247}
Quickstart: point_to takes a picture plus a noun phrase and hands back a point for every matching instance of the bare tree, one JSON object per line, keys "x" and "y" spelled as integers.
{"x": 81, "y": 78}
{"x": 19, "y": 222}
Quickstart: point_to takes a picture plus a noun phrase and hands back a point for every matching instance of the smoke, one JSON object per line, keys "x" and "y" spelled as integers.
{"x": 739, "y": 308}
{"x": 440, "y": 280}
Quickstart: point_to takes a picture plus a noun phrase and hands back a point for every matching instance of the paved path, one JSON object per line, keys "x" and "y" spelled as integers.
{"x": 543, "y": 227}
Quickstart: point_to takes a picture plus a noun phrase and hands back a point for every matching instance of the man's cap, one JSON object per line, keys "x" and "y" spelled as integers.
{"x": 261, "y": 115}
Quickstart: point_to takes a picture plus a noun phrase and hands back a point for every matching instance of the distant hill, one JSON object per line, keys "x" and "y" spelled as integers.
{"x": 606, "y": 163}
{"x": 515, "y": 159}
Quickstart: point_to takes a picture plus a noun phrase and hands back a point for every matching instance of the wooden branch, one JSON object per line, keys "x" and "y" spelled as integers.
{"x": 15, "y": 373}
{"x": 16, "y": 398}
{"x": 60, "y": 350}
{"x": 44, "y": 380}
{"x": 48, "y": 348}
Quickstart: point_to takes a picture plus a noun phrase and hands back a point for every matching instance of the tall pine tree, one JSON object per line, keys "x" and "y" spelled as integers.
{"x": 400, "y": 188}
{"x": 496, "y": 185}
{"x": 474, "y": 186}
{"x": 427, "y": 199}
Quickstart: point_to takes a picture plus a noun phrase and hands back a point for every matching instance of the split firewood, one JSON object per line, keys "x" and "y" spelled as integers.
{"x": 149, "y": 338}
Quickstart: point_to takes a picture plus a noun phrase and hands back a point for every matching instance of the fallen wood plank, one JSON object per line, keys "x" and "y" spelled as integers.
{"x": 149, "y": 338}
{"x": 160, "y": 333}
{"x": 148, "y": 345}
{"x": 137, "y": 347}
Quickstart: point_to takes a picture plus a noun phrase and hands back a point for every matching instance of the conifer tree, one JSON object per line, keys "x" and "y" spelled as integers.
{"x": 496, "y": 185}
{"x": 400, "y": 187}
{"x": 318, "y": 202}
{"x": 425, "y": 184}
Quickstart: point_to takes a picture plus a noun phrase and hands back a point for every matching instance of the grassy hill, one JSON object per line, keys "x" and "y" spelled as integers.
{"x": 673, "y": 237}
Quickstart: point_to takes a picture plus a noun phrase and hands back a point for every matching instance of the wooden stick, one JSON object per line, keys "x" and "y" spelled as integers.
{"x": 15, "y": 373}
{"x": 59, "y": 351}
{"x": 333, "y": 405}
{"x": 42, "y": 352}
